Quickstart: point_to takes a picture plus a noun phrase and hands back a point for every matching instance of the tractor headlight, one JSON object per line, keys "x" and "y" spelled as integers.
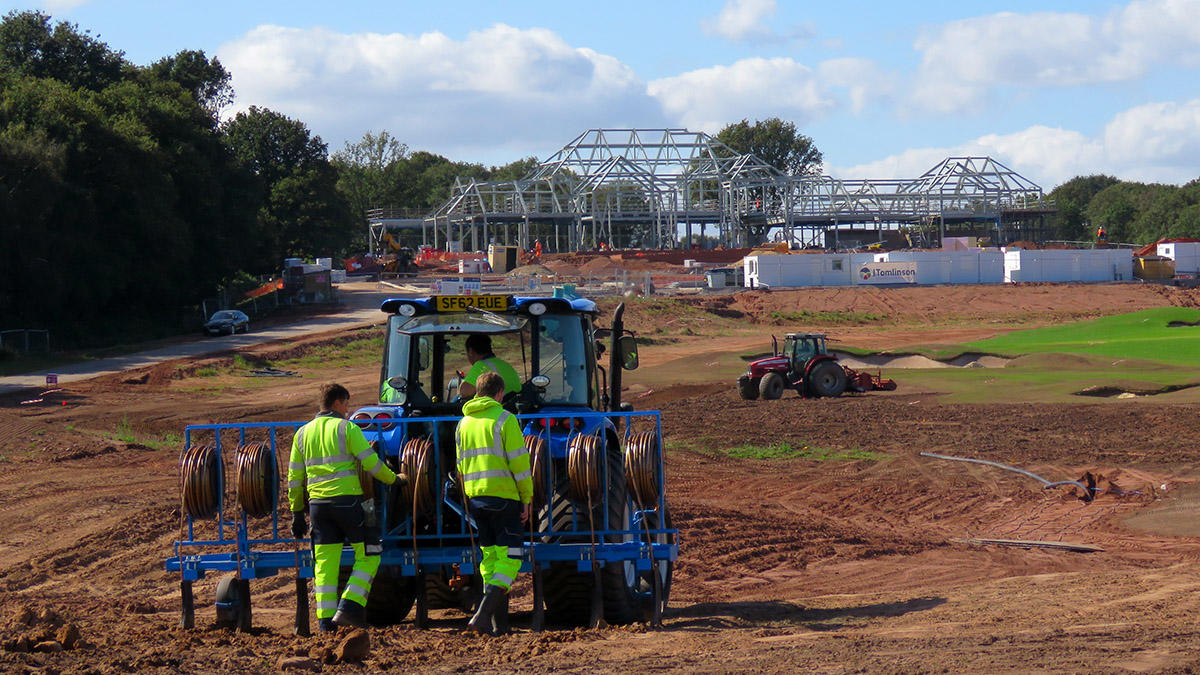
{"x": 406, "y": 309}
{"x": 537, "y": 309}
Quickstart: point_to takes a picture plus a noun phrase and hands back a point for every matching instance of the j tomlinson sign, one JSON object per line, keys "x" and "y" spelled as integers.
{"x": 888, "y": 273}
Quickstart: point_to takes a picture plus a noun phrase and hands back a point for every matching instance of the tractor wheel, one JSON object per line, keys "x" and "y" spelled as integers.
{"x": 748, "y": 387}
{"x": 569, "y": 591}
{"x": 391, "y": 598}
{"x": 771, "y": 386}
{"x": 826, "y": 379}
{"x": 441, "y": 596}
{"x": 233, "y": 603}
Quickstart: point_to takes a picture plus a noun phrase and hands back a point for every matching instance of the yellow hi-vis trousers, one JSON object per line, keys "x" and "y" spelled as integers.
{"x": 328, "y": 559}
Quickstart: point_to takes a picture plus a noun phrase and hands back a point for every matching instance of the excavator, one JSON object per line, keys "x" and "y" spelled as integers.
{"x": 401, "y": 260}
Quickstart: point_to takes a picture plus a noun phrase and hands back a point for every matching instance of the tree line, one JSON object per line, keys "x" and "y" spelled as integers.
{"x": 1129, "y": 212}
{"x": 125, "y": 199}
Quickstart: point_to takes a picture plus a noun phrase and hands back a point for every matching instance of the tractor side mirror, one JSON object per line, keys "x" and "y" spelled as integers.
{"x": 627, "y": 347}
{"x": 395, "y": 390}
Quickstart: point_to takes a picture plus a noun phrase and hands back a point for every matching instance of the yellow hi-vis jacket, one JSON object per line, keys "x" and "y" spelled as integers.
{"x": 326, "y": 454}
{"x": 492, "y": 458}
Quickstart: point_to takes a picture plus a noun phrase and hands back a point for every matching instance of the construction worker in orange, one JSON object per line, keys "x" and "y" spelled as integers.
{"x": 537, "y": 249}
{"x": 1101, "y": 235}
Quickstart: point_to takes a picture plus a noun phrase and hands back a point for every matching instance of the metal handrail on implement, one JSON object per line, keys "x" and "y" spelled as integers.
{"x": 252, "y": 553}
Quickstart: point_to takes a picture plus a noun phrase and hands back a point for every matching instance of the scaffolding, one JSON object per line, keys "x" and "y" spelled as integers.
{"x": 660, "y": 188}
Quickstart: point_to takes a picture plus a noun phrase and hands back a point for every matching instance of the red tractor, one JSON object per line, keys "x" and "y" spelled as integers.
{"x": 806, "y": 366}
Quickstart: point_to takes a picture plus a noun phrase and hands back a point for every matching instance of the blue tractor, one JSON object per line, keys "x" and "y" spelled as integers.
{"x": 601, "y": 547}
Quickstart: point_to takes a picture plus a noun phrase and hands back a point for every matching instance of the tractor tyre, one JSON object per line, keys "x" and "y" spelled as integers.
{"x": 233, "y": 603}
{"x": 439, "y": 595}
{"x": 391, "y": 598}
{"x": 826, "y": 379}
{"x": 569, "y": 591}
{"x": 771, "y": 387}
{"x": 748, "y": 387}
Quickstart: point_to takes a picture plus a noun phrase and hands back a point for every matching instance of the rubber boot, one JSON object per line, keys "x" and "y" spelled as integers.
{"x": 350, "y": 614}
{"x": 326, "y": 625}
{"x": 482, "y": 621}
{"x": 500, "y": 617}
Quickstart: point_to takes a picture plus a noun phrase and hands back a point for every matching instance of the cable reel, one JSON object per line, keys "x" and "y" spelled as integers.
{"x": 257, "y": 479}
{"x": 416, "y": 497}
{"x": 536, "y": 445}
{"x": 585, "y": 462}
{"x": 641, "y": 468}
{"x": 201, "y": 473}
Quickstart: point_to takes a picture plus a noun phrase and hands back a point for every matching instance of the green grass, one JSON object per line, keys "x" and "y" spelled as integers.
{"x": 781, "y": 450}
{"x": 1040, "y": 379}
{"x": 206, "y": 372}
{"x": 827, "y": 318}
{"x": 1140, "y": 335}
{"x": 360, "y": 352}
{"x": 124, "y": 432}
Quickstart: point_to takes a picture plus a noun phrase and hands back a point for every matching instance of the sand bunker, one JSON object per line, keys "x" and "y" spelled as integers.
{"x": 918, "y": 361}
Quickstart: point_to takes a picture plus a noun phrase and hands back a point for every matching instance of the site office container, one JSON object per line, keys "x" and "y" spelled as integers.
{"x": 1185, "y": 254}
{"x": 974, "y": 266}
{"x": 1068, "y": 265}
{"x": 793, "y": 271}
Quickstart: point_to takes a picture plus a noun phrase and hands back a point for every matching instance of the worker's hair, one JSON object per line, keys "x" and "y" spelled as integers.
{"x": 490, "y": 384}
{"x": 480, "y": 344}
{"x": 332, "y": 393}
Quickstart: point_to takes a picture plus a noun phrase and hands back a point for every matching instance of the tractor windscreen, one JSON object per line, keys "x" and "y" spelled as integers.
{"x": 563, "y": 359}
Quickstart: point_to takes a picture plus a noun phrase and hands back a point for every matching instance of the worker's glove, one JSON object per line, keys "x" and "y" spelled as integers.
{"x": 401, "y": 480}
{"x": 299, "y": 524}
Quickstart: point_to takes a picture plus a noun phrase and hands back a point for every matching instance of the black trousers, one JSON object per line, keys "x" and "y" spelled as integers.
{"x": 341, "y": 520}
{"x": 498, "y": 521}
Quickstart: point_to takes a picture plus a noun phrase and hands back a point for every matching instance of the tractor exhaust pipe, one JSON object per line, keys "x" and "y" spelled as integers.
{"x": 614, "y": 359}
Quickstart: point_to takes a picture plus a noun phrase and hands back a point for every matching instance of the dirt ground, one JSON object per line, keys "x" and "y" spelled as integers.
{"x": 858, "y": 560}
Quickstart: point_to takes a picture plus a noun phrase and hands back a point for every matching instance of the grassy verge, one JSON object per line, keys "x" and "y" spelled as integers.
{"x": 1146, "y": 335}
{"x": 780, "y": 451}
{"x": 835, "y": 318}
{"x": 1042, "y": 381}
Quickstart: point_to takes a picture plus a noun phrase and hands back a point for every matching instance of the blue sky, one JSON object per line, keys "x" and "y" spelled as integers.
{"x": 1053, "y": 89}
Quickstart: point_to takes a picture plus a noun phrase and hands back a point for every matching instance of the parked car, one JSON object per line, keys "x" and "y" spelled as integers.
{"x": 227, "y": 321}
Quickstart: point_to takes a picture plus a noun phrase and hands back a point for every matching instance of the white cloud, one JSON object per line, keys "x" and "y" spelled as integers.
{"x": 499, "y": 90}
{"x": 862, "y": 79}
{"x": 962, "y": 60}
{"x": 750, "y": 20}
{"x": 709, "y": 98}
{"x": 53, "y": 6}
{"x": 1155, "y": 142}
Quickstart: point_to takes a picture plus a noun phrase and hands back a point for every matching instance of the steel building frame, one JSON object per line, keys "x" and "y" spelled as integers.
{"x": 639, "y": 188}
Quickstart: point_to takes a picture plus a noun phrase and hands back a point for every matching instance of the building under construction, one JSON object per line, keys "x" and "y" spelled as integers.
{"x": 670, "y": 188}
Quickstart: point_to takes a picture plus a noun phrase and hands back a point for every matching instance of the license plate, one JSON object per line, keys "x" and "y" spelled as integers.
{"x": 460, "y": 303}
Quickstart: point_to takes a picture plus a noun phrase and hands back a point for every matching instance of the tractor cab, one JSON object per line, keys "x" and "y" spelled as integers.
{"x": 800, "y": 348}
{"x": 425, "y": 359}
{"x": 551, "y": 343}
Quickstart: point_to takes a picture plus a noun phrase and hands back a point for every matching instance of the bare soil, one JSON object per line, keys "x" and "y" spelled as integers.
{"x": 787, "y": 564}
